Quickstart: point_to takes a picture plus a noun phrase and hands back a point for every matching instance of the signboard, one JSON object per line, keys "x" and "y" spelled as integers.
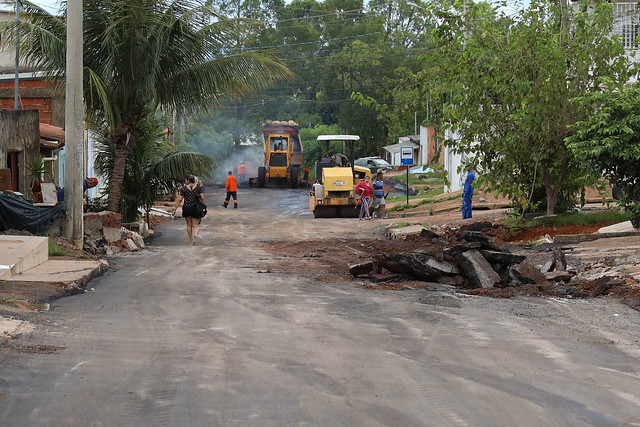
{"x": 406, "y": 156}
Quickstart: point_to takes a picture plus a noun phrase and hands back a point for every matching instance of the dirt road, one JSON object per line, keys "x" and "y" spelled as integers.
{"x": 224, "y": 333}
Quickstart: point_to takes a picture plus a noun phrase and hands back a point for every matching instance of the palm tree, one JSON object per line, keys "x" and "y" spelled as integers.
{"x": 145, "y": 55}
{"x": 154, "y": 169}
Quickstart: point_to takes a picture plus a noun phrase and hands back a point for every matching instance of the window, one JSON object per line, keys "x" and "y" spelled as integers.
{"x": 626, "y": 24}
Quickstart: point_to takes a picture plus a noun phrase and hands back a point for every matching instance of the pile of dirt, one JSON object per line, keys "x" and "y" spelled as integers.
{"x": 528, "y": 235}
{"x": 329, "y": 262}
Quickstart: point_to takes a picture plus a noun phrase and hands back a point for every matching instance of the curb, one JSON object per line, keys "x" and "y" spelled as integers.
{"x": 578, "y": 238}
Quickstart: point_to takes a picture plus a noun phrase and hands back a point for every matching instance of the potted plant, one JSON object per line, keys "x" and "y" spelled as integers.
{"x": 36, "y": 172}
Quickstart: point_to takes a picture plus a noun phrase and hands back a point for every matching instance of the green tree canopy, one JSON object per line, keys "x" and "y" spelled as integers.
{"x": 502, "y": 86}
{"x": 141, "y": 55}
{"x": 608, "y": 140}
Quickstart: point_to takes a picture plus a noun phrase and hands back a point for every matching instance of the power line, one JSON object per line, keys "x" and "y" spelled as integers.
{"x": 310, "y": 42}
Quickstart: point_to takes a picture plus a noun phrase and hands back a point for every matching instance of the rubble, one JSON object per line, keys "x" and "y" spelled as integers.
{"x": 478, "y": 270}
{"x": 388, "y": 263}
{"x": 469, "y": 259}
{"x": 104, "y": 234}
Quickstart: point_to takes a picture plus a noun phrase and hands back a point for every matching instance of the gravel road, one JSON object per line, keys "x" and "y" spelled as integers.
{"x": 202, "y": 336}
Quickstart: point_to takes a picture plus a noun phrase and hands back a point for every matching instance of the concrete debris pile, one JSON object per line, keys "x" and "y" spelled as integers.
{"x": 468, "y": 259}
{"x": 104, "y": 234}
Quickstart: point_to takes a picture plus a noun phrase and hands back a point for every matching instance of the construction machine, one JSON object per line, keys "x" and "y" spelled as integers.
{"x": 283, "y": 154}
{"x": 333, "y": 195}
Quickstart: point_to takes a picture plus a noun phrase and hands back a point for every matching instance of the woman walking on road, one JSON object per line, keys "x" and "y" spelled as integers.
{"x": 364, "y": 190}
{"x": 190, "y": 194}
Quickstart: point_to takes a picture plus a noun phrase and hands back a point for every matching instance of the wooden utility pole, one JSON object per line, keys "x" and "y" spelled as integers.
{"x": 74, "y": 149}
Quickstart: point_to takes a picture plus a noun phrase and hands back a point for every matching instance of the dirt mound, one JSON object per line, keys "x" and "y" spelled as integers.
{"x": 329, "y": 262}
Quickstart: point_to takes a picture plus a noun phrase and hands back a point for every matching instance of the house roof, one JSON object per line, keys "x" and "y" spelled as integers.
{"x": 51, "y": 136}
{"x": 396, "y": 147}
{"x": 338, "y": 138}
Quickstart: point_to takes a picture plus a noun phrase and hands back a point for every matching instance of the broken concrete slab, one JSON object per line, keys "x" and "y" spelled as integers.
{"x": 461, "y": 247}
{"x": 478, "y": 270}
{"x": 403, "y": 232}
{"x": 111, "y": 234}
{"x": 478, "y": 236}
{"x": 130, "y": 245}
{"x": 445, "y": 268}
{"x": 359, "y": 269}
{"x": 413, "y": 265}
{"x": 526, "y": 273}
{"x": 502, "y": 257}
{"x": 621, "y": 227}
{"x": 578, "y": 238}
{"x": 558, "y": 276}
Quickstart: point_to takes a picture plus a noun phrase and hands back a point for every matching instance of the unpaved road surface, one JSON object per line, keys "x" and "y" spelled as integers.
{"x": 212, "y": 335}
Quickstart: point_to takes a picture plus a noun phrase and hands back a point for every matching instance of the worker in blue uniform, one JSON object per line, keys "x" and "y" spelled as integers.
{"x": 467, "y": 193}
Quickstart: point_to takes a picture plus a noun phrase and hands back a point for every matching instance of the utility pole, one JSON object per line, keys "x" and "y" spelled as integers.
{"x": 74, "y": 170}
{"x": 17, "y": 78}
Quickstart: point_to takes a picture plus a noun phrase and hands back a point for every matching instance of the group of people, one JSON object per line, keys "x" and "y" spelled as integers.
{"x": 365, "y": 190}
{"x": 370, "y": 196}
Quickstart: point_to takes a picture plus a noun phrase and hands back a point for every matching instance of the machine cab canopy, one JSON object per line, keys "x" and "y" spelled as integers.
{"x": 279, "y": 142}
{"x": 338, "y": 138}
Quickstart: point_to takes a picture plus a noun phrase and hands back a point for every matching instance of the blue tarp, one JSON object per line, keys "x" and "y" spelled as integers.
{"x": 18, "y": 213}
{"x": 421, "y": 169}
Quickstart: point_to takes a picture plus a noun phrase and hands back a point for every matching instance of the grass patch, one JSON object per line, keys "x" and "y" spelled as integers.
{"x": 513, "y": 222}
{"x": 431, "y": 193}
{"x": 54, "y": 250}
{"x": 422, "y": 202}
{"x": 420, "y": 178}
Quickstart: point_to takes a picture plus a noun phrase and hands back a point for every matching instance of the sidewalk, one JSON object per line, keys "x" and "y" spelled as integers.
{"x": 29, "y": 279}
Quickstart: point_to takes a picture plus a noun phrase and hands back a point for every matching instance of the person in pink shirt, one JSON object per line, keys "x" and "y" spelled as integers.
{"x": 364, "y": 191}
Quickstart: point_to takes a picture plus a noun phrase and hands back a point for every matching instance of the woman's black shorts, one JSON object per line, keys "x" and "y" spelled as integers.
{"x": 189, "y": 211}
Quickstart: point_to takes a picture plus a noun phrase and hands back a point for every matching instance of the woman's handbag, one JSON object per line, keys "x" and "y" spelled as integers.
{"x": 201, "y": 208}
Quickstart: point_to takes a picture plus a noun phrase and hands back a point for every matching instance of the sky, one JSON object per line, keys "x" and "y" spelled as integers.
{"x": 51, "y": 5}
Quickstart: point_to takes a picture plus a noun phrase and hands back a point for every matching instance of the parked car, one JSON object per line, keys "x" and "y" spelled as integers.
{"x": 374, "y": 163}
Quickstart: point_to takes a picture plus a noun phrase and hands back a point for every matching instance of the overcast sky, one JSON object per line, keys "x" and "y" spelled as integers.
{"x": 51, "y": 5}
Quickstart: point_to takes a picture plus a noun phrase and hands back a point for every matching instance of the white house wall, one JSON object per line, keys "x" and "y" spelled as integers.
{"x": 424, "y": 142}
{"x": 452, "y": 163}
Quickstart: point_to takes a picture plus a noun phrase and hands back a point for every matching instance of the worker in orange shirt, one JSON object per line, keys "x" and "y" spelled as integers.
{"x": 241, "y": 169}
{"x": 232, "y": 190}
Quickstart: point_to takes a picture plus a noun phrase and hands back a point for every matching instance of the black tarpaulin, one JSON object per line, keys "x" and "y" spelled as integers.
{"x": 18, "y": 213}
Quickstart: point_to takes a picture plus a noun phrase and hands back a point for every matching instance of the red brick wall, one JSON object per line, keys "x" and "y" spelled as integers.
{"x": 26, "y": 83}
{"x": 43, "y": 105}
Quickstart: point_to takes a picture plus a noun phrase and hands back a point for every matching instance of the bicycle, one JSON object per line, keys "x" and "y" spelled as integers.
{"x": 376, "y": 212}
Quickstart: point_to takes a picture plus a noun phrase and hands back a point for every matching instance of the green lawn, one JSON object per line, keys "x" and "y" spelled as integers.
{"x": 429, "y": 185}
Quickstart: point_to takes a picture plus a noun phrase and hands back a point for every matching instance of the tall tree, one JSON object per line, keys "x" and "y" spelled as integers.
{"x": 141, "y": 55}
{"x": 609, "y": 141}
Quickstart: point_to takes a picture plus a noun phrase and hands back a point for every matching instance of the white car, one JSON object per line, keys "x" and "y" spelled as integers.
{"x": 374, "y": 163}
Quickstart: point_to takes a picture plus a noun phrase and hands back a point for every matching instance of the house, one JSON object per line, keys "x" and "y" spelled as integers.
{"x": 37, "y": 93}
{"x": 392, "y": 152}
